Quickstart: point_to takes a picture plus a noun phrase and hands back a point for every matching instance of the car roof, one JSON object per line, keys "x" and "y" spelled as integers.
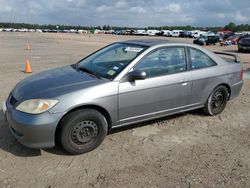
{"x": 148, "y": 42}
{"x": 159, "y": 42}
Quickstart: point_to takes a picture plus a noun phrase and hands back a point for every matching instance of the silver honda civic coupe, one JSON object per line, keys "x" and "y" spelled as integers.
{"x": 123, "y": 83}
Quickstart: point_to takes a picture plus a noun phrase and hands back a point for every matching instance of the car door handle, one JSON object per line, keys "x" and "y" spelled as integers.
{"x": 184, "y": 82}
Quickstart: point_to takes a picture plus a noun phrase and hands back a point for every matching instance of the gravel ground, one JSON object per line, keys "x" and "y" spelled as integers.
{"x": 185, "y": 150}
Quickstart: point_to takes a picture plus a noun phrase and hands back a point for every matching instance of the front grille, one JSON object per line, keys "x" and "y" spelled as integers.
{"x": 13, "y": 101}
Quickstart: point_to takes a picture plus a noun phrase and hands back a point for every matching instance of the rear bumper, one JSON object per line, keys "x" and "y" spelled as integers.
{"x": 34, "y": 131}
{"x": 235, "y": 89}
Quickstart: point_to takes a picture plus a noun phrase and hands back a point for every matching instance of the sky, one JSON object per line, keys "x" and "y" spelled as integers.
{"x": 131, "y": 13}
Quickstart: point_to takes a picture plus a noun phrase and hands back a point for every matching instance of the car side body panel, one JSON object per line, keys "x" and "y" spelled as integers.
{"x": 147, "y": 98}
{"x": 204, "y": 81}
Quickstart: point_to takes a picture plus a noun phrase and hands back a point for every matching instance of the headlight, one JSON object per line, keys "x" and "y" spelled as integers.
{"x": 36, "y": 106}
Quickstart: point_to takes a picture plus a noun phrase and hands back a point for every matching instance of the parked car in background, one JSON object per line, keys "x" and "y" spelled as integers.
{"x": 244, "y": 44}
{"x": 175, "y": 33}
{"x": 129, "y": 32}
{"x": 121, "y": 84}
{"x": 197, "y": 33}
{"x": 167, "y": 33}
{"x": 206, "y": 40}
{"x": 210, "y": 33}
{"x": 232, "y": 40}
{"x": 140, "y": 32}
{"x": 8, "y": 29}
{"x": 152, "y": 32}
{"x": 186, "y": 34}
{"x": 160, "y": 33}
{"x": 226, "y": 35}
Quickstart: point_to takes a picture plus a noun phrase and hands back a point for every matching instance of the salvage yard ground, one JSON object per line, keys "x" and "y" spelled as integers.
{"x": 185, "y": 150}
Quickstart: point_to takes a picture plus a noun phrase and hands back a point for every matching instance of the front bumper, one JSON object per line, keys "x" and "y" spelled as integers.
{"x": 243, "y": 47}
{"x": 34, "y": 131}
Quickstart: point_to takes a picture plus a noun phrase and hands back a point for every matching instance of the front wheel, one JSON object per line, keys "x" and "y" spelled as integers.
{"x": 83, "y": 131}
{"x": 217, "y": 101}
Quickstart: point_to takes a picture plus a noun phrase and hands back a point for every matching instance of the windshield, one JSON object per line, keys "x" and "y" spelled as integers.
{"x": 203, "y": 37}
{"x": 111, "y": 60}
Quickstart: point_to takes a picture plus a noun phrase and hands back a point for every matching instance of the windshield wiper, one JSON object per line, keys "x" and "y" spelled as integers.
{"x": 89, "y": 72}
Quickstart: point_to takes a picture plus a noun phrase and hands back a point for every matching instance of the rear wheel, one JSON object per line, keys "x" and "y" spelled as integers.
{"x": 83, "y": 131}
{"x": 217, "y": 101}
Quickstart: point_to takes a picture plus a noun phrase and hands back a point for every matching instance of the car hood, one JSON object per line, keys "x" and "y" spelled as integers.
{"x": 53, "y": 83}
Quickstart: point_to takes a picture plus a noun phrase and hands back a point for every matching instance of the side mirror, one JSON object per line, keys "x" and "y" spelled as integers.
{"x": 136, "y": 75}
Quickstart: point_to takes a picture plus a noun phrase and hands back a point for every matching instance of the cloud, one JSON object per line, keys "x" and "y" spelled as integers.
{"x": 4, "y": 8}
{"x": 139, "y": 13}
{"x": 103, "y": 8}
{"x": 173, "y": 7}
{"x": 137, "y": 9}
{"x": 121, "y": 4}
{"x": 240, "y": 18}
{"x": 34, "y": 8}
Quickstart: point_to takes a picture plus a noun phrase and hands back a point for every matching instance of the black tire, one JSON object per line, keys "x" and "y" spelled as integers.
{"x": 83, "y": 130}
{"x": 217, "y": 101}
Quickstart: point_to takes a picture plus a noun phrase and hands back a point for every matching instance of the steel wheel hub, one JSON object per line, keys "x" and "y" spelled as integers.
{"x": 84, "y": 132}
{"x": 217, "y": 99}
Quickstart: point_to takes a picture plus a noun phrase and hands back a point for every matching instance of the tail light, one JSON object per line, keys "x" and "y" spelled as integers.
{"x": 241, "y": 74}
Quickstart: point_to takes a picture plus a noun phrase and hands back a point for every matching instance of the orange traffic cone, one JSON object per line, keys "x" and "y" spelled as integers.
{"x": 27, "y": 46}
{"x": 27, "y": 66}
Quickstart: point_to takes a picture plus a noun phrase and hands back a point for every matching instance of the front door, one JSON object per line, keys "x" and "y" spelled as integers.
{"x": 165, "y": 90}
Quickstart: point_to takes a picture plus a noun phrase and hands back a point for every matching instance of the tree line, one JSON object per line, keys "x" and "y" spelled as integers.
{"x": 231, "y": 26}
{"x": 38, "y": 26}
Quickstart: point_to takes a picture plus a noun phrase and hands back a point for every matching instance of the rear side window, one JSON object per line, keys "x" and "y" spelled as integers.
{"x": 200, "y": 60}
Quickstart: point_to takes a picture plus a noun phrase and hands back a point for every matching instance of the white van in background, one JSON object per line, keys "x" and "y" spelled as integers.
{"x": 152, "y": 32}
{"x": 140, "y": 32}
{"x": 175, "y": 33}
{"x": 197, "y": 33}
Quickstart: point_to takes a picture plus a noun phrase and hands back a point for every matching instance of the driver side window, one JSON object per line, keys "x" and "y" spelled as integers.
{"x": 163, "y": 61}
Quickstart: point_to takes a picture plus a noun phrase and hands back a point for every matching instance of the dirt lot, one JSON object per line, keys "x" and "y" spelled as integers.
{"x": 186, "y": 150}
